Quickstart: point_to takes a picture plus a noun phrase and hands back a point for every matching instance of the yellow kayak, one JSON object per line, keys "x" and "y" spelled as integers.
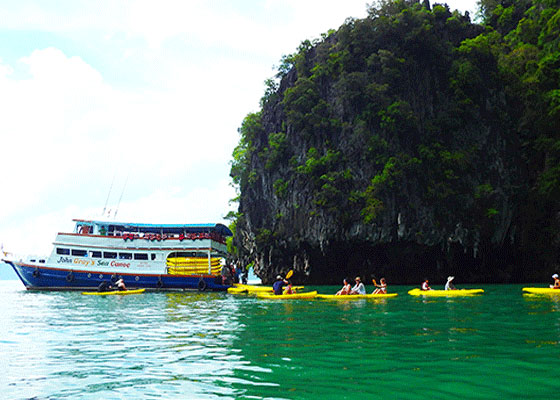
{"x": 254, "y": 289}
{"x": 355, "y": 296}
{"x": 538, "y": 290}
{"x": 115, "y": 292}
{"x": 445, "y": 293}
{"x": 237, "y": 290}
{"x": 304, "y": 295}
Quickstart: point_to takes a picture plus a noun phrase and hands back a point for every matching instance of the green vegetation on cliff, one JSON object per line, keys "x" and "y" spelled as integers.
{"x": 413, "y": 128}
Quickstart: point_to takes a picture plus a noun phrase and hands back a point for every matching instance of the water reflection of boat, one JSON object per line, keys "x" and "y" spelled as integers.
{"x": 162, "y": 257}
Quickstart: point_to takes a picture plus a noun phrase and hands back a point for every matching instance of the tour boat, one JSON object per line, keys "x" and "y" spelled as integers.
{"x": 150, "y": 256}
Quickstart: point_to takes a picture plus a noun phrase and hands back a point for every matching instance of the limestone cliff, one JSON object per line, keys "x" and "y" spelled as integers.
{"x": 387, "y": 148}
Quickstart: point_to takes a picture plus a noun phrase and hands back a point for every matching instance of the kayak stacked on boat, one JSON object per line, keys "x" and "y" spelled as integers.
{"x": 445, "y": 293}
{"x": 145, "y": 256}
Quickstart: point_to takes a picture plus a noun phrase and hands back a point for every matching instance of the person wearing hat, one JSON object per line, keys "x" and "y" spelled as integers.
{"x": 556, "y": 282}
{"x": 449, "y": 285}
{"x": 359, "y": 287}
{"x": 277, "y": 286}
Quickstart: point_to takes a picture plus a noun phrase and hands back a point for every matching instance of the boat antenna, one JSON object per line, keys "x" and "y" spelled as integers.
{"x": 108, "y": 194}
{"x": 120, "y": 198}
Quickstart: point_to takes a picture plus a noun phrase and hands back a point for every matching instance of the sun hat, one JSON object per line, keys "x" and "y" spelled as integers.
{"x": 450, "y": 278}
{"x": 555, "y": 276}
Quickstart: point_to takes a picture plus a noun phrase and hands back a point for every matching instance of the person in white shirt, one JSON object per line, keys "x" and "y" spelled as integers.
{"x": 359, "y": 287}
{"x": 556, "y": 282}
{"x": 449, "y": 285}
{"x": 120, "y": 284}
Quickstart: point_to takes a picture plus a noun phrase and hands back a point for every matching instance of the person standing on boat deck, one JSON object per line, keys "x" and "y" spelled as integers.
{"x": 277, "y": 286}
{"x": 449, "y": 285}
{"x": 359, "y": 287}
{"x": 233, "y": 273}
{"x": 425, "y": 285}
{"x": 239, "y": 273}
{"x": 120, "y": 284}
{"x": 226, "y": 275}
{"x": 556, "y": 282}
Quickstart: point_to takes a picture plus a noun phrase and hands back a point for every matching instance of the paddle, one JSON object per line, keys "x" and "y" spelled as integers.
{"x": 288, "y": 276}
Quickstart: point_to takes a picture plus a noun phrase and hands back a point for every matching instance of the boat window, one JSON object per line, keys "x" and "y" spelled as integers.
{"x": 125, "y": 256}
{"x": 95, "y": 254}
{"x": 62, "y": 251}
{"x": 140, "y": 256}
{"x": 79, "y": 253}
{"x": 109, "y": 254}
{"x": 182, "y": 254}
{"x": 153, "y": 256}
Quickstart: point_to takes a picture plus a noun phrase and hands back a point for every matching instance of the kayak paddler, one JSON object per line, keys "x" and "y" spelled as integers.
{"x": 104, "y": 287}
{"x": 359, "y": 287}
{"x": 556, "y": 282}
{"x": 277, "y": 286}
{"x": 120, "y": 284}
{"x": 449, "y": 285}
{"x": 425, "y": 285}
{"x": 288, "y": 289}
{"x": 381, "y": 288}
{"x": 346, "y": 288}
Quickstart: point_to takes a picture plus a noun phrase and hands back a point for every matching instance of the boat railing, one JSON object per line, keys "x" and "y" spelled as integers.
{"x": 162, "y": 235}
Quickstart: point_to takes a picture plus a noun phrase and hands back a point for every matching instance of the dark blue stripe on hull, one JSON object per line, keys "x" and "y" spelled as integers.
{"x": 46, "y": 278}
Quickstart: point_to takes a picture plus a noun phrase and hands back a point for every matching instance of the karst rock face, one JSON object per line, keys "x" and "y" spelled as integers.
{"x": 387, "y": 149}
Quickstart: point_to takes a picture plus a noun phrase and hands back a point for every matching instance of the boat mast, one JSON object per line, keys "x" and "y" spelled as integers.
{"x": 120, "y": 198}
{"x": 108, "y": 194}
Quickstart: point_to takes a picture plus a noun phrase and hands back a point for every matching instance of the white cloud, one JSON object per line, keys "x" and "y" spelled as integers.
{"x": 152, "y": 92}
{"x": 67, "y": 132}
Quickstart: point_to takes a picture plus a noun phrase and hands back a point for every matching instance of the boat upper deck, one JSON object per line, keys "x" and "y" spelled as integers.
{"x": 111, "y": 228}
{"x": 154, "y": 236}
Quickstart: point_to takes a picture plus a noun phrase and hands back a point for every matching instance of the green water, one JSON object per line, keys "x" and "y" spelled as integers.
{"x": 187, "y": 345}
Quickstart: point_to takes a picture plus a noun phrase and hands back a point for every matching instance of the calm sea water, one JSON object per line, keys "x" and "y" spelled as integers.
{"x": 57, "y": 345}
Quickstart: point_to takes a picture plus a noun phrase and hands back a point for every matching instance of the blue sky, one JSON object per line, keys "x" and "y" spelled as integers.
{"x": 147, "y": 95}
